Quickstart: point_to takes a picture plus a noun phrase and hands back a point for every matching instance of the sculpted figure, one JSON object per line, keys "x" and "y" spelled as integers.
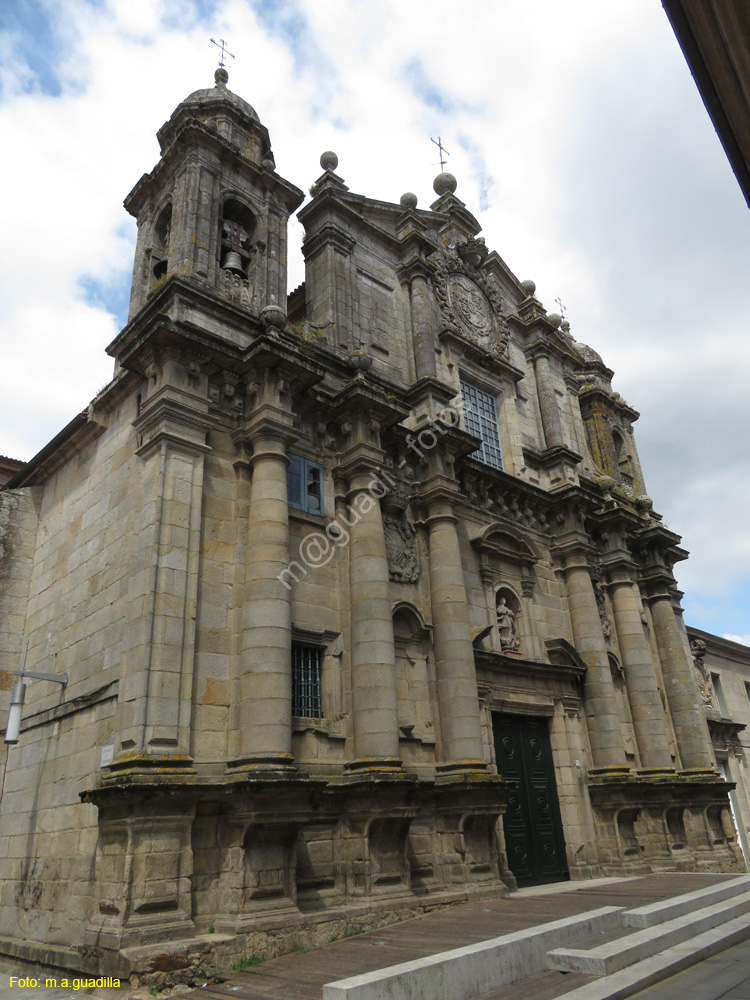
{"x": 506, "y": 624}
{"x": 698, "y": 649}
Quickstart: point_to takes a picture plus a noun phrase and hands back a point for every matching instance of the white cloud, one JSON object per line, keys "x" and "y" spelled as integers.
{"x": 577, "y": 125}
{"x": 744, "y": 640}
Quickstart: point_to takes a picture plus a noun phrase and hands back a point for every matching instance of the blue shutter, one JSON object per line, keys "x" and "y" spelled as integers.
{"x": 304, "y": 484}
{"x": 294, "y": 473}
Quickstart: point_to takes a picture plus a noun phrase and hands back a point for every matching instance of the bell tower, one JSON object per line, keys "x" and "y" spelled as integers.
{"x": 213, "y": 211}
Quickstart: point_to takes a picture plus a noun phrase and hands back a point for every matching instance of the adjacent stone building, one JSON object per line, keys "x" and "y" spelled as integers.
{"x": 722, "y": 668}
{"x": 363, "y": 604}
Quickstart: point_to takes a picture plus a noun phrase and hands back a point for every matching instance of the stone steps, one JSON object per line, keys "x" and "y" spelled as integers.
{"x": 604, "y": 959}
{"x": 627, "y": 949}
{"x": 666, "y": 909}
{"x": 649, "y": 971}
{"x": 664, "y": 938}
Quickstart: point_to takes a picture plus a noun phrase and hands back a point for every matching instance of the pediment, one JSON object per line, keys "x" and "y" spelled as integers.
{"x": 505, "y": 542}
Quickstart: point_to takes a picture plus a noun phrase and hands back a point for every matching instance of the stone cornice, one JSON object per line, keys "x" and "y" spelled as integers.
{"x": 500, "y": 663}
{"x": 73, "y": 438}
{"x": 171, "y": 306}
{"x": 613, "y": 400}
{"x": 717, "y": 644}
{"x": 360, "y": 397}
{"x": 334, "y": 201}
{"x": 329, "y": 234}
{"x": 543, "y": 339}
{"x": 485, "y": 360}
{"x": 551, "y": 456}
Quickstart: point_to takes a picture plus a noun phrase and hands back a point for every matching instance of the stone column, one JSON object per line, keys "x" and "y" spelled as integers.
{"x": 417, "y": 273}
{"x": 643, "y": 691}
{"x": 264, "y": 690}
{"x": 604, "y": 722}
{"x": 690, "y": 728}
{"x": 548, "y": 405}
{"x": 461, "y": 738}
{"x": 423, "y": 324}
{"x": 373, "y": 657}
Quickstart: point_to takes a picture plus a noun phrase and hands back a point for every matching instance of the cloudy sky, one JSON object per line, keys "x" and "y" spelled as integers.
{"x": 578, "y": 139}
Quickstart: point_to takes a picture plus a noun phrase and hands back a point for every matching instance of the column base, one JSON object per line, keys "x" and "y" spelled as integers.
{"x": 470, "y": 769}
{"x": 147, "y": 762}
{"x": 374, "y": 766}
{"x": 657, "y": 773}
{"x": 610, "y": 772}
{"x": 700, "y": 774}
{"x": 276, "y": 764}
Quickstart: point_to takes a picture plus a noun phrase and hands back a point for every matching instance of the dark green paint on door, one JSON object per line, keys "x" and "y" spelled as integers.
{"x": 533, "y": 828}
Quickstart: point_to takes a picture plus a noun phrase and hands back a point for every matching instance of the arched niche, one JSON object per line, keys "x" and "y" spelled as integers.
{"x": 503, "y": 545}
{"x": 236, "y": 231}
{"x": 508, "y": 619}
{"x": 160, "y": 244}
{"x": 622, "y": 458}
{"x": 415, "y": 679}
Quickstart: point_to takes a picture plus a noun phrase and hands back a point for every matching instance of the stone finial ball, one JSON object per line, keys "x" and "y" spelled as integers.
{"x": 221, "y": 76}
{"x": 644, "y": 502}
{"x": 529, "y": 286}
{"x": 269, "y": 164}
{"x": 360, "y": 361}
{"x": 565, "y": 326}
{"x": 444, "y": 184}
{"x": 273, "y": 316}
{"x": 329, "y": 160}
{"x": 408, "y": 200}
{"x": 555, "y": 319}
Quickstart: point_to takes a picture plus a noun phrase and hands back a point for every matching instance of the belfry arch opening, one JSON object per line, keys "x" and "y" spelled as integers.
{"x": 160, "y": 249}
{"x": 236, "y": 231}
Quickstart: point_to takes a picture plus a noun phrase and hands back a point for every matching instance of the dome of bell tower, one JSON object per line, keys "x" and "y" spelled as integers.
{"x": 213, "y": 211}
{"x": 216, "y": 107}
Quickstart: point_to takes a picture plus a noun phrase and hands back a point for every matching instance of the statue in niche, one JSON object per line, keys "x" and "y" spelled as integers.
{"x": 698, "y": 649}
{"x": 400, "y": 546}
{"x": 602, "y": 608}
{"x": 506, "y": 624}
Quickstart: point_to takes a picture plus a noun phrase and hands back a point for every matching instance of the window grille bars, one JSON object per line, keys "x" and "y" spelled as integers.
{"x": 480, "y": 411}
{"x": 306, "y": 701}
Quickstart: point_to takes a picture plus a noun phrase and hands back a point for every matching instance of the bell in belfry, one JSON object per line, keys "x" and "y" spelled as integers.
{"x": 233, "y": 263}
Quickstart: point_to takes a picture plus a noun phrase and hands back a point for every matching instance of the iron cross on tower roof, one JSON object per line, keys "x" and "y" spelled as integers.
{"x": 221, "y": 44}
{"x": 442, "y": 149}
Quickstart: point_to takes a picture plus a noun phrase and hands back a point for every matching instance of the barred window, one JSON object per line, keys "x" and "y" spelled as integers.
{"x": 306, "y": 681}
{"x": 304, "y": 482}
{"x": 480, "y": 410}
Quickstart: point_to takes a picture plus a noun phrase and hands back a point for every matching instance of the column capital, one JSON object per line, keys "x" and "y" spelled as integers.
{"x": 574, "y": 552}
{"x": 440, "y": 496}
{"x": 619, "y": 573}
{"x": 266, "y": 427}
{"x": 362, "y": 411}
{"x": 169, "y": 420}
{"x": 416, "y": 266}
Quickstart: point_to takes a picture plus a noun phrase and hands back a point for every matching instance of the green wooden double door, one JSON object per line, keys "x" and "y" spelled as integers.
{"x": 533, "y": 828}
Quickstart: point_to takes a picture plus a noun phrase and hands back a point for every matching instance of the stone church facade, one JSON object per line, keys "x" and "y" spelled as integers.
{"x": 363, "y": 604}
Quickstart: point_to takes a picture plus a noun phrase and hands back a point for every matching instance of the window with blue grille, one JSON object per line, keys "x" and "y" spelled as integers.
{"x": 306, "y": 701}
{"x": 480, "y": 411}
{"x": 304, "y": 483}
